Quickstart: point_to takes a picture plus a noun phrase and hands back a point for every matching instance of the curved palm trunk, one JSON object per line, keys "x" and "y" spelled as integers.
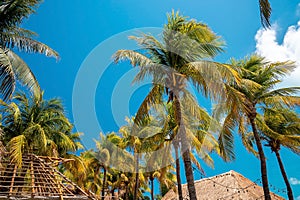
{"x": 179, "y": 186}
{"x": 104, "y": 183}
{"x": 185, "y": 152}
{"x": 136, "y": 186}
{"x": 284, "y": 175}
{"x": 152, "y": 187}
{"x": 263, "y": 164}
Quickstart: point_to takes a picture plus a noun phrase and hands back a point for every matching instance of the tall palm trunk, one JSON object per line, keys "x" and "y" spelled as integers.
{"x": 284, "y": 175}
{"x": 263, "y": 164}
{"x": 152, "y": 186}
{"x": 104, "y": 183}
{"x": 185, "y": 152}
{"x": 179, "y": 186}
{"x": 136, "y": 186}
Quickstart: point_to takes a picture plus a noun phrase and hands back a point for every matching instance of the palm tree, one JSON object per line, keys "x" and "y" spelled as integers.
{"x": 184, "y": 54}
{"x": 259, "y": 78}
{"x": 133, "y": 139}
{"x": 37, "y": 126}
{"x": 103, "y": 157}
{"x": 197, "y": 123}
{"x": 83, "y": 170}
{"x": 12, "y": 36}
{"x": 116, "y": 144}
{"x": 281, "y": 127}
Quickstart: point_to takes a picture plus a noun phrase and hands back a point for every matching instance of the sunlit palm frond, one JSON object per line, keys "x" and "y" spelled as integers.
{"x": 208, "y": 77}
{"x": 135, "y": 58}
{"x": 226, "y": 139}
{"x": 279, "y": 100}
{"x": 196, "y": 163}
{"x": 16, "y": 148}
{"x": 153, "y": 97}
{"x": 7, "y": 76}
{"x": 23, "y": 73}
{"x": 26, "y": 44}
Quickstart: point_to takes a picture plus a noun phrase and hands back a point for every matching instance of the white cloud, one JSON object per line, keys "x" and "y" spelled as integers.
{"x": 294, "y": 181}
{"x": 267, "y": 46}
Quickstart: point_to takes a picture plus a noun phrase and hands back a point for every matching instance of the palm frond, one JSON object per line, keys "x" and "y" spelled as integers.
{"x": 153, "y": 97}
{"x": 23, "y": 73}
{"x": 279, "y": 100}
{"x": 226, "y": 139}
{"x": 26, "y": 44}
{"x": 208, "y": 77}
{"x": 12, "y": 12}
{"x": 196, "y": 163}
{"x": 7, "y": 77}
{"x": 16, "y": 147}
{"x": 265, "y": 13}
{"x": 135, "y": 58}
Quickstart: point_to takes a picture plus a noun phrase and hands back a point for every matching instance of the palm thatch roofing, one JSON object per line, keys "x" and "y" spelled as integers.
{"x": 230, "y": 185}
{"x": 37, "y": 178}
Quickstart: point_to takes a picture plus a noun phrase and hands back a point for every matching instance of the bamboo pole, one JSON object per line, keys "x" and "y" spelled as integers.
{"x": 12, "y": 180}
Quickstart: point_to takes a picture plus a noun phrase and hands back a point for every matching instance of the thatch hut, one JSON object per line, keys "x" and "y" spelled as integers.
{"x": 230, "y": 185}
{"x": 37, "y": 178}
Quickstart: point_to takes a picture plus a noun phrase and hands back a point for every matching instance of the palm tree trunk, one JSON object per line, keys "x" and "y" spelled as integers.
{"x": 104, "y": 183}
{"x": 179, "y": 186}
{"x": 113, "y": 194}
{"x": 152, "y": 187}
{"x": 136, "y": 186}
{"x": 263, "y": 164}
{"x": 284, "y": 175}
{"x": 186, "y": 151}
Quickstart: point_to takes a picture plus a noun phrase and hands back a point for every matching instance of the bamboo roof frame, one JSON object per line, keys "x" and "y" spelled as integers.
{"x": 38, "y": 178}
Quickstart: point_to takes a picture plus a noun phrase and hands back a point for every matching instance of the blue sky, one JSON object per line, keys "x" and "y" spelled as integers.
{"x": 83, "y": 31}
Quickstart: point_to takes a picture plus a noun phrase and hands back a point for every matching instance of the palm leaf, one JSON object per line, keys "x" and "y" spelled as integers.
{"x": 24, "y": 73}
{"x": 7, "y": 76}
{"x": 226, "y": 139}
{"x": 12, "y": 12}
{"x": 153, "y": 97}
{"x": 265, "y": 12}
{"x": 28, "y": 45}
{"x": 16, "y": 147}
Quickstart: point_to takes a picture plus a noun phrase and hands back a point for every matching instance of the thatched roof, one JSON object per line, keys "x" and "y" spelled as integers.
{"x": 230, "y": 185}
{"x": 38, "y": 178}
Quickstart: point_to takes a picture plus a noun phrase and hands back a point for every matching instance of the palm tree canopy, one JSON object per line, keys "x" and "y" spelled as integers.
{"x": 12, "y": 14}
{"x": 281, "y": 126}
{"x": 38, "y": 126}
{"x": 183, "y": 53}
{"x": 12, "y": 67}
{"x": 258, "y": 86}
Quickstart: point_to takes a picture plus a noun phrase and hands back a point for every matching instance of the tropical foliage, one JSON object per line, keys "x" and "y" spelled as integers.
{"x": 32, "y": 125}
{"x": 13, "y": 37}
{"x": 265, "y": 12}
{"x": 281, "y": 127}
{"x": 183, "y": 54}
{"x": 258, "y": 87}
{"x": 169, "y": 122}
